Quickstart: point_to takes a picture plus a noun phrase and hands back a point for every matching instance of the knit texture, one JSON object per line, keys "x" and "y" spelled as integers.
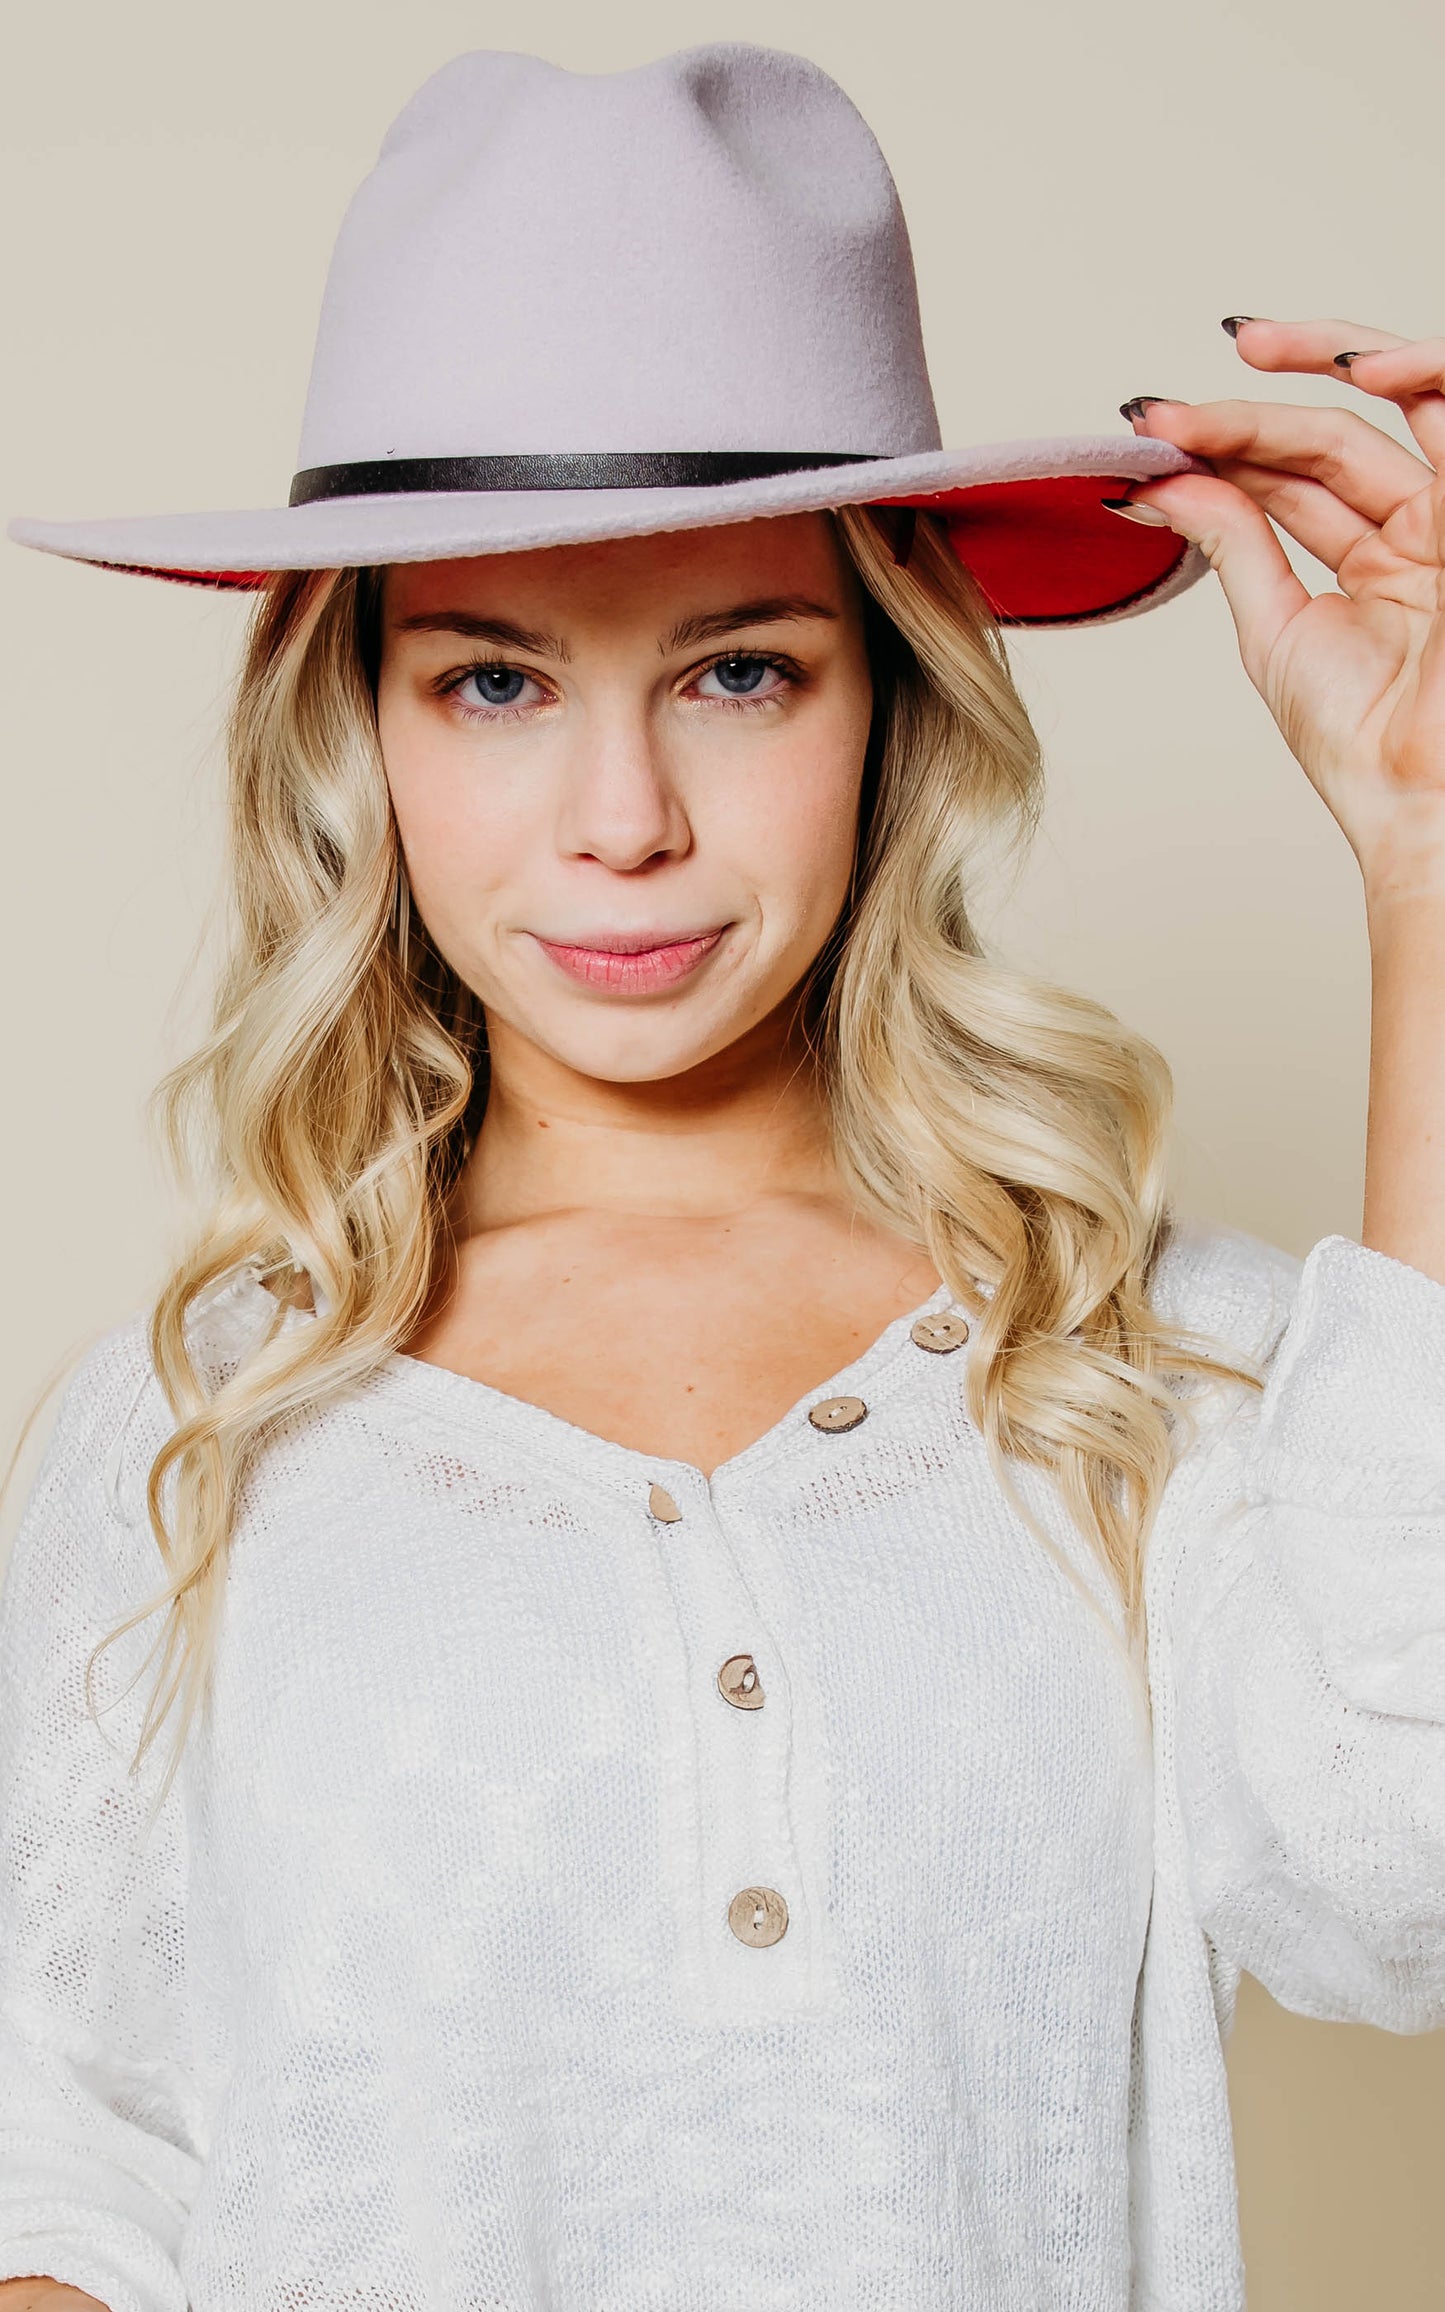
{"x": 421, "y": 1995}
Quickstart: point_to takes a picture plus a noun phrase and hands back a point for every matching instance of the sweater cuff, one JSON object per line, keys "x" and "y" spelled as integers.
{"x": 1353, "y": 1414}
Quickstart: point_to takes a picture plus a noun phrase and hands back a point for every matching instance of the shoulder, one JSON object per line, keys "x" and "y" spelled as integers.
{"x": 1224, "y": 1283}
{"x": 114, "y": 1413}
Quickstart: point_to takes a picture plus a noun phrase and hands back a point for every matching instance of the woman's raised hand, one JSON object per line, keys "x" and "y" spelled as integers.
{"x": 1354, "y": 679}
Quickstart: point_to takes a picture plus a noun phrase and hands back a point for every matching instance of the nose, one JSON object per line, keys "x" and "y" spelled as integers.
{"x": 619, "y": 802}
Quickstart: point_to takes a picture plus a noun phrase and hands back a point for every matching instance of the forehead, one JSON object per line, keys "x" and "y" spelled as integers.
{"x": 625, "y": 577}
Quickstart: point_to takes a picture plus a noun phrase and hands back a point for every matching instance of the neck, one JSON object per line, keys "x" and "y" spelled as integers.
{"x": 748, "y": 1123}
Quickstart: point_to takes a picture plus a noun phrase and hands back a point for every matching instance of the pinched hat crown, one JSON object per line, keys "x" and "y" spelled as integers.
{"x": 704, "y": 253}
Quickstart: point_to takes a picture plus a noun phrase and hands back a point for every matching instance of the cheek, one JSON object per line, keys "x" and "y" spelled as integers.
{"x": 458, "y": 835}
{"x": 795, "y": 840}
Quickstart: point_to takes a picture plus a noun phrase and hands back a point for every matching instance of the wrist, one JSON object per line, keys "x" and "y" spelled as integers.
{"x": 1403, "y": 864}
{"x": 1404, "y": 911}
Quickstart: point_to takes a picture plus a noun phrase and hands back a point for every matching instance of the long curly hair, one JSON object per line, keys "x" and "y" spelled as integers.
{"x": 1014, "y": 1129}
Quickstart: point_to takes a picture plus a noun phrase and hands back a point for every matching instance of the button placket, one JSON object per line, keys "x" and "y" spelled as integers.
{"x": 748, "y": 1866}
{"x": 742, "y": 1886}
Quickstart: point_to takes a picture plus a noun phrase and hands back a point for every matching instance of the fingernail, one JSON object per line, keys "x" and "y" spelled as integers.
{"x": 1132, "y": 512}
{"x": 1343, "y": 360}
{"x": 1140, "y": 403}
{"x": 1232, "y": 321}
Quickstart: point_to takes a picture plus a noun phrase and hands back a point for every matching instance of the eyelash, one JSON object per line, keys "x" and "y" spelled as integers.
{"x": 451, "y": 683}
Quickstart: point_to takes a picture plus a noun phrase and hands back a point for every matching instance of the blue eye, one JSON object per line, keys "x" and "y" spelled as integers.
{"x": 743, "y": 674}
{"x": 497, "y": 685}
{"x": 740, "y": 674}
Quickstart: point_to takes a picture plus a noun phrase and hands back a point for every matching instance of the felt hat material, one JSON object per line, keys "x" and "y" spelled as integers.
{"x": 566, "y": 306}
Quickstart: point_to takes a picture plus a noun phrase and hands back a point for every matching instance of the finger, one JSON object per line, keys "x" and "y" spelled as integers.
{"x": 1260, "y": 587}
{"x": 1411, "y": 375}
{"x": 1306, "y": 345}
{"x": 1312, "y": 346}
{"x": 1415, "y": 365}
{"x": 1364, "y": 467}
{"x": 1313, "y": 516}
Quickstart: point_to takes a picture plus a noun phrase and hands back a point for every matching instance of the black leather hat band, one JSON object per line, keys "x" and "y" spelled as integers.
{"x": 562, "y": 470}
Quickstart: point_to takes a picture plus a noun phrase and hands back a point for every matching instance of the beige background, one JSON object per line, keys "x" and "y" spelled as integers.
{"x": 1089, "y": 189}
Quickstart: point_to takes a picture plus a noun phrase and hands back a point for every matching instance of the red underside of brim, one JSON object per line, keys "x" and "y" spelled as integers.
{"x": 1051, "y": 549}
{"x": 1042, "y": 549}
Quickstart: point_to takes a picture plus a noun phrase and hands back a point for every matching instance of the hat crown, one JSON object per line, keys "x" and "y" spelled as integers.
{"x": 706, "y": 252}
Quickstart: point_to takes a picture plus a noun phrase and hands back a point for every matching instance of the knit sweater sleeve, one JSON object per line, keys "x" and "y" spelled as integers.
{"x": 1307, "y": 1647}
{"x": 98, "y": 2153}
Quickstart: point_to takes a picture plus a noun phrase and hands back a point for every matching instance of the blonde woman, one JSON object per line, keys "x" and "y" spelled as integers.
{"x": 749, "y": 1631}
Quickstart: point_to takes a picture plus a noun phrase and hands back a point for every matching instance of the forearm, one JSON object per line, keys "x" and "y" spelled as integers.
{"x": 1404, "y": 1208}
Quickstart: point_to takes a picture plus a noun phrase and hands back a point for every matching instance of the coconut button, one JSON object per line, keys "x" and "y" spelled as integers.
{"x": 947, "y": 1330}
{"x": 758, "y": 1915}
{"x": 739, "y": 1683}
{"x": 662, "y": 1505}
{"x": 837, "y": 1413}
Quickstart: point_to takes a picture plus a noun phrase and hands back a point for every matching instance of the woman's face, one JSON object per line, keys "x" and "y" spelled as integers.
{"x": 626, "y": 778}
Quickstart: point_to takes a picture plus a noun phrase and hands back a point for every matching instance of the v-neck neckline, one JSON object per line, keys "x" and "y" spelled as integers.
{"x": 465, "y": 1405}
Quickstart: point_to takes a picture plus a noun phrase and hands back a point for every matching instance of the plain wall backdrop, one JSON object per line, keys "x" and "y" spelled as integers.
{"x": 1089, "y": 188}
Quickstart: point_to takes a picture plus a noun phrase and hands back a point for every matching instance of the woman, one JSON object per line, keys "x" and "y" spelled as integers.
{"x": 686, "y": 1784}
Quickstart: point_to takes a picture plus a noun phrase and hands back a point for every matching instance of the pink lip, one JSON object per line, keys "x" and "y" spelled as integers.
{"x": 632, "y": 969}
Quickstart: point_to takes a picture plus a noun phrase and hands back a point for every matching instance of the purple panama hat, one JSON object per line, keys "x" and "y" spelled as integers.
{"x": 566, "y": 306}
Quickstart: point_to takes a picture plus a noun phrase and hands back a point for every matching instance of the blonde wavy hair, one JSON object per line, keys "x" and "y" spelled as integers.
{"x": 1014, "y": 1129}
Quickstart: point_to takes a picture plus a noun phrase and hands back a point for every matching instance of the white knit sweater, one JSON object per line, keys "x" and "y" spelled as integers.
{"x": 429, "y": 1990}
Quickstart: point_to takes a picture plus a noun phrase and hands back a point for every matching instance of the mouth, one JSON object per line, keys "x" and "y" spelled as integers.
{"x": 631, "y": 962}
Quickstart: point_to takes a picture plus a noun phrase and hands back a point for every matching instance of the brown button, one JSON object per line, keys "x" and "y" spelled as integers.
{"x": 758, "y": 1915}
{"x": 738, "y": 1683}
{"x": 663, "y": 1506}
{"x": 940, "y": 1333}
{"x": 838, "y": 1413}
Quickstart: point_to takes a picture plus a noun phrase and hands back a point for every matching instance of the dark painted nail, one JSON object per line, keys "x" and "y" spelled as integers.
{"x": 1140, "y": 403}
{"x": 1232, "y": 321}
{"x": 1343, "y": 360}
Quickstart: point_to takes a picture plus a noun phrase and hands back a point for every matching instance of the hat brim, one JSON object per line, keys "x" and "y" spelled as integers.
{"x": 1026, "y": 517}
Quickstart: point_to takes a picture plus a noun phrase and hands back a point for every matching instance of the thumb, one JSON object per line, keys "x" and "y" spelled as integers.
{"x": 1242, "y": 548}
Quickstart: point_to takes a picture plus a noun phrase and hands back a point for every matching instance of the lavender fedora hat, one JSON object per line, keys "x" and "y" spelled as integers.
{"x": 566, "y": 306}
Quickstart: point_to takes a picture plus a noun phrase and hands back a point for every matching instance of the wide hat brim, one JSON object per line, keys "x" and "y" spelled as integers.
{"x": 1026, "y": 517}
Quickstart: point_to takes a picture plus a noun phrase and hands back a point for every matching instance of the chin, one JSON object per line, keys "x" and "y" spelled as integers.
{"x": 640, "y": 1052}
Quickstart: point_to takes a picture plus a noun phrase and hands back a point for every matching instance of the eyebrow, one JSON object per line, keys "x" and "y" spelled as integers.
{"x": 704, "y": 626}
{"x": 772, "y": 610}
